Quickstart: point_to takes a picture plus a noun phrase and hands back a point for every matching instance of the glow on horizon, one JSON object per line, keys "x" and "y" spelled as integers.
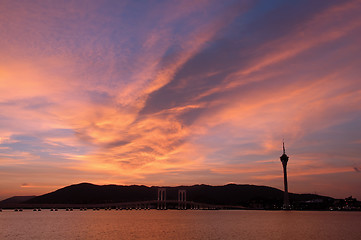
{"x": 180, "y": 92}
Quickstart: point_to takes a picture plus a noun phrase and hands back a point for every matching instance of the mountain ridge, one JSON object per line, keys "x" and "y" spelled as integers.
{"x": 230, "y": 194}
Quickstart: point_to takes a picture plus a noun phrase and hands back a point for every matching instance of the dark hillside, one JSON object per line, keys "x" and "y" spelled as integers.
{"x": 231, "y": 194}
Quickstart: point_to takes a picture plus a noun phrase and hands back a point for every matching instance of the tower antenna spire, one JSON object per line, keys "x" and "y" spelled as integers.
{"x": 284, "y": 150}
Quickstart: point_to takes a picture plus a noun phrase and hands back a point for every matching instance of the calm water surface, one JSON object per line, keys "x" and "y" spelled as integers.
{"x": 173, "y": 224}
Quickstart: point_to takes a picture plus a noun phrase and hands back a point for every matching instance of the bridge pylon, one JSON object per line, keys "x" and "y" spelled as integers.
{"x": 162, "y": 199}
{"x": 182, "y": 199}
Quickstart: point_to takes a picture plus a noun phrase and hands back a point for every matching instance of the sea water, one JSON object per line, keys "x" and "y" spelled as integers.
{"x": 178, "y": 224}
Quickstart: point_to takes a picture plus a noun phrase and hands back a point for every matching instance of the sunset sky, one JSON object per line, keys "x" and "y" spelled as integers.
{"x": 180, "y": 93}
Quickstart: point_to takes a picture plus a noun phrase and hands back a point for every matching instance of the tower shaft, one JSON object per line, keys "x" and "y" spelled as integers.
{"x": 286, "y": 201}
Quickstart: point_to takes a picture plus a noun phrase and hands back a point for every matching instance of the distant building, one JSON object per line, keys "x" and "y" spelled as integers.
{"x": 351, "y": 203}
{"x": 284, "y": 160}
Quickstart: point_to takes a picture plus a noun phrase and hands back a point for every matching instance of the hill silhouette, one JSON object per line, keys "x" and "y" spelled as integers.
{"x": 230, "y": 194}
{"x": 16, "y": 199}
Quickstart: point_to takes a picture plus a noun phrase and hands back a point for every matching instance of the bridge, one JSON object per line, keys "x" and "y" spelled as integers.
{"x": 137, "y": 205}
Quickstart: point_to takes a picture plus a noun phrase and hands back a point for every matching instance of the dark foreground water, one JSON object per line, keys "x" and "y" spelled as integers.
{"x": 173, "y": 224}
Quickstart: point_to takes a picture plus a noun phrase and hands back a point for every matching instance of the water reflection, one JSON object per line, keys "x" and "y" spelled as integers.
{"x": 173, "y": 224}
